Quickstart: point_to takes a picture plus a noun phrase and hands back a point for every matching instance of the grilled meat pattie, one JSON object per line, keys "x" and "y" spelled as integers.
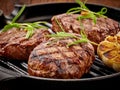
{"x": 14, "y": 45}
{"x": 95, "y": 32}
{"x": 53, "y": 59}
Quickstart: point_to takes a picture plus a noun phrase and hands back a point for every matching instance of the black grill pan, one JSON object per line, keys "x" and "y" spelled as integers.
{"x": 13, "y": 74}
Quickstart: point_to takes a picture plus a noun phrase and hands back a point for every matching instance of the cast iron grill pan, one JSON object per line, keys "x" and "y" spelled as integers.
{"x": 11, "y": 70}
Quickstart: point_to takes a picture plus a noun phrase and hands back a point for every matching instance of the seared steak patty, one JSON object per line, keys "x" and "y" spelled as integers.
{"x": 53, "y": 59}
{"x": 95, "y": 32}
{"x": 14, "y": 44}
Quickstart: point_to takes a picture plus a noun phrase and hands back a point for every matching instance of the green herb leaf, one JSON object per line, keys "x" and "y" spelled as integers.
{"x": 82, "y": 4}
{"x": 82, "y": 40}
{"x": 19, "y": 13}
{"x": 62, "y": 34}
{"x": 30, "y": 27}
{"x": 89, "y": 14}
{"x": 102, "y": 12}
{"x": 9, "y": 26}
{"x": 73, "y": 10}
{"x": 29, "y": 32}
{"x": 59, "y": 25}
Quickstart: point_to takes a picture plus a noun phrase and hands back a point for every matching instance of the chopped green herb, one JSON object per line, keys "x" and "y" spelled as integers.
{"x": 82, "y": 39}
{"x": 88, "y": 13}
{"x": 62, "y": 34}
{"x": 19, "y": 13}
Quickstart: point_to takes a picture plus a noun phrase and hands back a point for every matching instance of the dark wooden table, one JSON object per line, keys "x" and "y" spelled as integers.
{"x": 8, "y": 5}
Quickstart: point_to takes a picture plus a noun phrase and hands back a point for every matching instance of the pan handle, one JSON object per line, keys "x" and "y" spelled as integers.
{"x": 6, "y": 74}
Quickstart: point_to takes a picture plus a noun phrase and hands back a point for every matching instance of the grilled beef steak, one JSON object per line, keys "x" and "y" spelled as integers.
{"x": 53, "y": 59}
{"x": 14, "y": 45}
{"x": 95, "y": 32}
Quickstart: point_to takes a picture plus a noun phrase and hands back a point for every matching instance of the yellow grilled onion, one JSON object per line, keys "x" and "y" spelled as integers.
{"x": 109, "y": 51}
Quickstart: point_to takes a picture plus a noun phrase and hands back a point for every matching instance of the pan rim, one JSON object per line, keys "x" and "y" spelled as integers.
{"x": 74, "y": 80}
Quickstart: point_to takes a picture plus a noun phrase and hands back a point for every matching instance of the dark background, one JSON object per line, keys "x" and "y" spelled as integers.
{"x": 8, "y": 5}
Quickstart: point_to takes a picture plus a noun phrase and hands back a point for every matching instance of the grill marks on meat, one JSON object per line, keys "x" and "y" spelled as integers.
{"x": 95, "y": 32}
{"x": 14, "y": 45}
{"x": 55, "y": 60}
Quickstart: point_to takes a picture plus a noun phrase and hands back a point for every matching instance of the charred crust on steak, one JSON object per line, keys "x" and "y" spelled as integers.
{"x": 14, "y": 45}
{"x": 56, "y": 60}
